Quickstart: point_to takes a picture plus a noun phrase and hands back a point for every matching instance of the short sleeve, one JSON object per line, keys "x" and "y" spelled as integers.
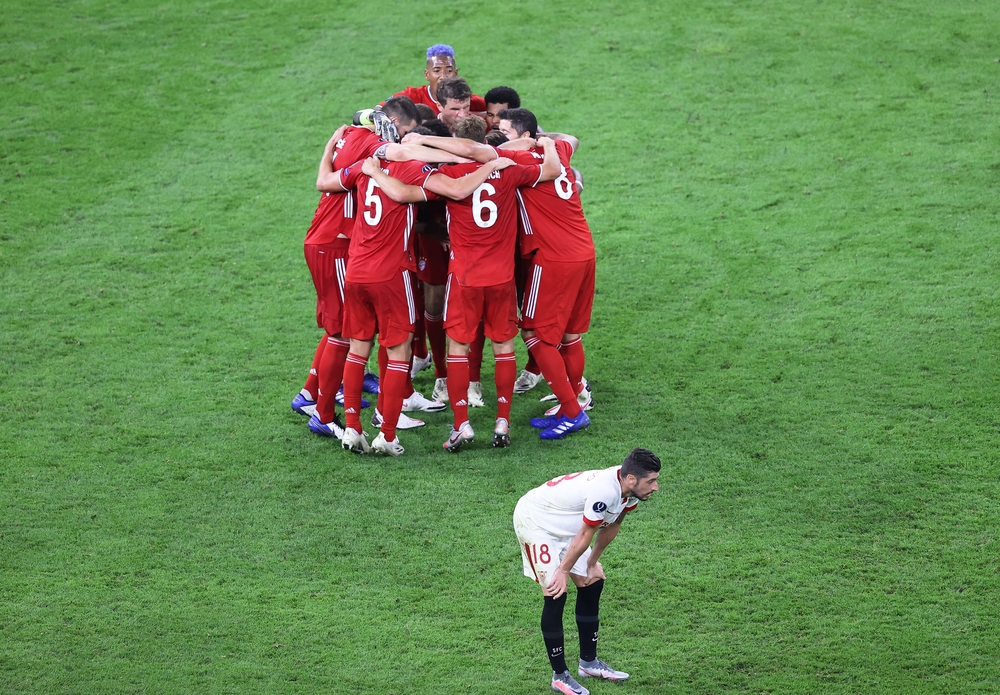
{"x": 596, "y": 506}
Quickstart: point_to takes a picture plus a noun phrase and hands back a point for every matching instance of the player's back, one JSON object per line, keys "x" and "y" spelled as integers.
{"x": 334, "y": 216}
{"x": 357, "y": 144}
{"x": 380, "y": 243}
{"x": 559, "y": 505}
{"x": 552, "y": 219}
{"x": 482, "y": 228}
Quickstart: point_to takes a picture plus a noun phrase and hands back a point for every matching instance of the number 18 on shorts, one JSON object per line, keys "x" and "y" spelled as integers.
{"x": 541, "y": 552}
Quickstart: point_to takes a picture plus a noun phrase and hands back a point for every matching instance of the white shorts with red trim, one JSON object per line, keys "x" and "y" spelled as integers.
{"x": 541, "y": 552}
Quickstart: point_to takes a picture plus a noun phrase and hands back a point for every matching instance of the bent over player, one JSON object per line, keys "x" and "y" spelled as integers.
{"x": 555, "y": 524}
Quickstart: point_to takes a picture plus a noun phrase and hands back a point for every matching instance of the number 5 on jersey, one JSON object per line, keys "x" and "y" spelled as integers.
{"x": 372, "y": 200}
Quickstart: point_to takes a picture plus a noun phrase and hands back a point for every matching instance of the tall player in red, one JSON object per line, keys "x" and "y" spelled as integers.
{"x": 482, "y": 229}
{"x": 559, "y": 295}
{"x": 326, "y": 251}
{"x": 560, "y": 291}
{"x": 378, "y": 292}
{"x": 327, "y": 245}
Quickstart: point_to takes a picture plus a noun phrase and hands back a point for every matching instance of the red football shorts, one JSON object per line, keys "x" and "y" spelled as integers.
{"x": 385, "y": 306}
{"x": 432, "y": 260}
{"x": 558, "y": 298}
{"x": 465, "y": 307}
{"x": 327, "y": 265}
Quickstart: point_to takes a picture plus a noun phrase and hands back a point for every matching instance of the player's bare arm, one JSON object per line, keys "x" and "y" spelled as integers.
{"x": 519, "y": 144}
{"x": 602, "y": 541}
{"x": 573, "y": 141}
{"x": 393, "y": 187}
{"x": 457, "y": 189}
{"x": 560, "y": 578}
{"x": 463, "y": 147}
{"x": 551, "y": 168}
{"x": 401, "y": 153}
{"x": 328, "y": 180}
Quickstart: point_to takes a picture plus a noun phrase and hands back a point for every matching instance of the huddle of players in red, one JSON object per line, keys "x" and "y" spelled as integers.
{"x": 514, "y": 228}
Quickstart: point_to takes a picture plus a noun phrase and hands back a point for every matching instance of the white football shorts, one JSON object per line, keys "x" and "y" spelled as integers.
{"x": 541, "y": 552}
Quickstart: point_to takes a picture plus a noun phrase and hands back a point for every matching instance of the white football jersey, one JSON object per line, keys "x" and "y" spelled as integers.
{"x": 563, "y": 505}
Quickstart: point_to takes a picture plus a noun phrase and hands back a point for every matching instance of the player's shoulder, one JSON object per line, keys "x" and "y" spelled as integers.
{"x": 456, "y": 171}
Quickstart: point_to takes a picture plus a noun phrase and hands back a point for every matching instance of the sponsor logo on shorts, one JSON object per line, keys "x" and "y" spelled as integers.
{"x": 599, "y": 507}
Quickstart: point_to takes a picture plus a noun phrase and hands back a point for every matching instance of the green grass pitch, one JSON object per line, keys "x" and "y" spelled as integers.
{"x": 795, "y": 213}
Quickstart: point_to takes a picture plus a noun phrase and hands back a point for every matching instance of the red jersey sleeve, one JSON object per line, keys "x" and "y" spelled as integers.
{"x": 349, "y": 176}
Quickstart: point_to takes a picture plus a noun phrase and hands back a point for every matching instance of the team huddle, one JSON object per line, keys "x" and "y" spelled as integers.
{"x": 495, "y": 223}
{"x": 448, "y": 218}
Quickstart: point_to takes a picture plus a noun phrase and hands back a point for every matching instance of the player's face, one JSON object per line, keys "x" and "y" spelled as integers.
{"x": 439, "y": 67}
{"x": 454, "y": 110}
{"x": 507, "y": 129}
{"x": 644, "y": 487}
{"x": 404, "y": 128}
{"x": 493, "y": 115}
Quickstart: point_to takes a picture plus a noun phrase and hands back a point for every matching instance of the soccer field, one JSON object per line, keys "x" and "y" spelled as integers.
{"x": 795, "y": 212}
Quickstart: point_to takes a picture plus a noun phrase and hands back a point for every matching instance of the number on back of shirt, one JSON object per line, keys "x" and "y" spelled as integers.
{"x": 373, "y": 201}
{"x": 564, "y": 188}
{"x": 480, "y": 206}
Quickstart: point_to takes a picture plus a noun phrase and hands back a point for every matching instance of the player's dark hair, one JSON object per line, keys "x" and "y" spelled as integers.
{"x": 426, "y": 112}
{"x": 420, "y": 130}
{"x": 471, "y": 127}
{"x": 503, "y": 95}
{"x": 522, "y": 120}
{"x": 496, "y": 138}
{"x": 437, "y": 127}
{"x": 452, "y": 88}
{"x": 402, "y": 108}
{"x": 640, "y": 463}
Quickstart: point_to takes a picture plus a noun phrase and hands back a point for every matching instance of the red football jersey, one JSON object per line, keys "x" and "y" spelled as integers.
{"x": 334, "y": 216}
{"x": 482, "y": 228}
{"x": 552, "y": 221}
{"x": 422, "y": 95}
{"x": 358, "y": 143}
{"x": 380, "y": 243}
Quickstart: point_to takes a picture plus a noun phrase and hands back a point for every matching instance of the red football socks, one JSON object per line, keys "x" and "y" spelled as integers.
{"x": 312, "y": 381}
{"x": 391, "y": 392}
{"x": 439, "y": 350}
{"x": 476, "y": 356}
{"x": 532, "y": 366}
{"x": 504, "y": 376}
{"x": 331, "y": 374}
{"x": 458, "y": 388}
{"x": 573, "y": 357}
{"x": 354, "y": 377}
{"x": 554, "y": 371}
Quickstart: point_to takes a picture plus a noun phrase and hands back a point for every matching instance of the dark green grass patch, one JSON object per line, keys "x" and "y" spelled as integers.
{"x": 794, "y": 211}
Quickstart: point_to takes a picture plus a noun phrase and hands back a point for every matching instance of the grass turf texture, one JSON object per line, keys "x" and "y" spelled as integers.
{"x": 794, "y": 207}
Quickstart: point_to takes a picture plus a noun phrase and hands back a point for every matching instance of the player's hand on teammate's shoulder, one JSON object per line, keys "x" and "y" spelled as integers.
{"x": 502, "y": 163}
{"x": 338, "y": 134}
{"x": 412, "y": 139}
{"x": 370, "y": 166}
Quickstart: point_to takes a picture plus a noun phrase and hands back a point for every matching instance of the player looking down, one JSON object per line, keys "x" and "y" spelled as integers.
{"x": 555, "y": 525}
